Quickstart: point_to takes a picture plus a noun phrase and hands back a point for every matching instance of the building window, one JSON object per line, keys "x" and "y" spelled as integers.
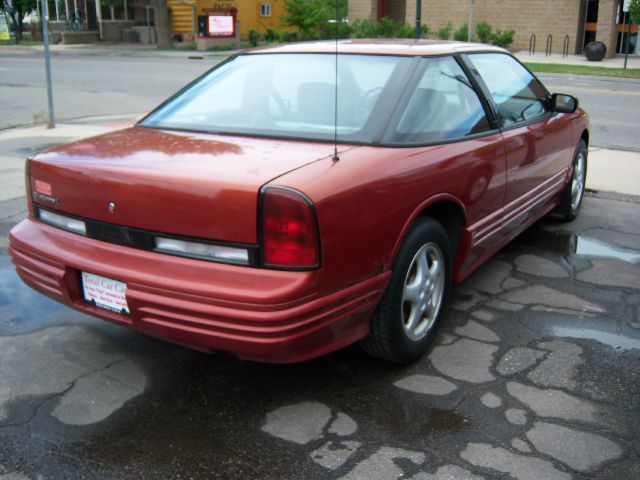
{"x": 265, "y": 9}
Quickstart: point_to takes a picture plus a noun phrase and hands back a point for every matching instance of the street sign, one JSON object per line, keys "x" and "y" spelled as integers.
{"x": 625, "y": 5}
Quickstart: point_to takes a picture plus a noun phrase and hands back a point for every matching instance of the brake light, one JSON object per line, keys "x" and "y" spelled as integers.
{"x": 289, "y": 231}
{"x": 27, "y": 179}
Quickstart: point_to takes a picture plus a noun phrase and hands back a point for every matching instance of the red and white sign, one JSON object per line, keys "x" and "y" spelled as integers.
{"x": 105, "y": 292}
{"x": 221, "y": 26}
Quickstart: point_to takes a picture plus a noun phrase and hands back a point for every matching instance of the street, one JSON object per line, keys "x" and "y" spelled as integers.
{"x": 534, "y": 374}
{"x": 125, "y": 85}
{"x": 78, "y": 79}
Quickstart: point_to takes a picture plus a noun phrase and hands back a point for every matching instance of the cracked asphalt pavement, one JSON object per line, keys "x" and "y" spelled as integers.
{"x": 535, "y": 374}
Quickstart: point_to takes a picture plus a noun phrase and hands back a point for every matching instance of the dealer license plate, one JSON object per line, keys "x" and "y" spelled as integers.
{"x": 105, "y": 292}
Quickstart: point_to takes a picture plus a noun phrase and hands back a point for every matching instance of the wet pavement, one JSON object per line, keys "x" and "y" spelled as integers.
{"x": 535, "y": 374}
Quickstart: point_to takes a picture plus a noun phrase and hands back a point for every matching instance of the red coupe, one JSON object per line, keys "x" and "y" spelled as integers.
{"x": 299, "y": 198}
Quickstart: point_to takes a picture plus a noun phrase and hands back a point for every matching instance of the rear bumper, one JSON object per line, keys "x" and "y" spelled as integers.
{"x": 259, "y": 314}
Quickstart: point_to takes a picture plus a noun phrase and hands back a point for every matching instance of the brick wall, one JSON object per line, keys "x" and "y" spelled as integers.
{"x": 542, "y": 17}
{"x": 526, "y": 17}
{"x": 607, "y": 27}
{"x": 364, "y": 9}
{"x": 397, "y": 12}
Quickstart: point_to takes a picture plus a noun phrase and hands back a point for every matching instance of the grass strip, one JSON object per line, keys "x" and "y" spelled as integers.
{"x": 583, "y": 70}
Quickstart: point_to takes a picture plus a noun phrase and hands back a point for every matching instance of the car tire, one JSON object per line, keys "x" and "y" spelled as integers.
{"x": 407, "y": 317}
{"x": 571, "y": 199}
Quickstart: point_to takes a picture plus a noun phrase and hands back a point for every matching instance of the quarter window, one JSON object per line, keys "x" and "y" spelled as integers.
{"x": 518, "y": 96}
{"x": 444, "y": 105}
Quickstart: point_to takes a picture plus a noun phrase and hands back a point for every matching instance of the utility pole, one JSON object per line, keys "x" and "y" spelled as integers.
{"x": 418, "y": 19}
{"x": 470, "y": 21}
{"x": 47, "y": 61}
{"x": 625, "y": 9}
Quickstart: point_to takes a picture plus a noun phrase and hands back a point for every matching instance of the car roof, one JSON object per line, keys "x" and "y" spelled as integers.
{"x": 381, "y": 46}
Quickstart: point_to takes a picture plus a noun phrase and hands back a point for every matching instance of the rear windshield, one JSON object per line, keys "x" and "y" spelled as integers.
{"x": 287, "y": 95}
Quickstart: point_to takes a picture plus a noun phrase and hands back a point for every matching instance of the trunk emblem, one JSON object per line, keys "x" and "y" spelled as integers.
{"x": 112, "y": 207}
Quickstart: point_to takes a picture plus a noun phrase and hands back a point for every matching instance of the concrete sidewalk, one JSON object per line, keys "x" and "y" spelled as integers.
{"x": 137, "y": 50}
{"x": 633, "y": 61}
{"x": 114, "y": 49}
{"x": 608, "y": 170}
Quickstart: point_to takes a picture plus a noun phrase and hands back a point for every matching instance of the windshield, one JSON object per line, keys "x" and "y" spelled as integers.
{"x": 285, "y": 95}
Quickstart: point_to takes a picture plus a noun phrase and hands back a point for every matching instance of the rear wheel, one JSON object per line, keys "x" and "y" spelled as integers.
{"x": 407, "y": 317}
{"x": 571, "y": 199}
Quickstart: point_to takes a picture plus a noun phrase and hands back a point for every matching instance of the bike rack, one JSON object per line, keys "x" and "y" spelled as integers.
{"x": 565, "y": 46}
{"x": 532, "y": 44}
{"x": 547, "y": 51}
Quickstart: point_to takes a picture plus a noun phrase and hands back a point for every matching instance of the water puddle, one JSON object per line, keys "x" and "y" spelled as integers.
{"x": 419, "y": 418}
{"x": 569, "y": 244}
{"x": 614, "y": 340}
{"x": 22, "y": 309}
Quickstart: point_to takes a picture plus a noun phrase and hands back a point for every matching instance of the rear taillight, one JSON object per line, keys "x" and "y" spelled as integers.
{"x": 289, "y": 230}
{"x": 27, "y": 181}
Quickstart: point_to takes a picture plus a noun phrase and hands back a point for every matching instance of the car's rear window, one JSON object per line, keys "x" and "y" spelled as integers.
{"x": 286, "y": 95}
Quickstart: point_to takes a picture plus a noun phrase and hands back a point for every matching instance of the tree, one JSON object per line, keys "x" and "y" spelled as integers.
{"x": 16, "y": 10}
{"x": 161, "y": 22}
{"x": 634, "y": 11}
{"x": 312, "y": 16}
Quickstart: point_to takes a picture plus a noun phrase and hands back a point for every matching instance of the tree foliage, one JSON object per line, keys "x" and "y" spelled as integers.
{"x": 112, "y": 3}
{"x": 16, "y": 10}
{"x": 462, "y": 34}
{"x": 312, "y": 17}
{"x": 445, "y": 32}
{"x": 484, "y": 32}
{"x": 634, "y": 11}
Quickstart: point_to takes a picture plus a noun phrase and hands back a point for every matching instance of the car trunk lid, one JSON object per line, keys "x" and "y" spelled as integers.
{"x": 180, "y": 183}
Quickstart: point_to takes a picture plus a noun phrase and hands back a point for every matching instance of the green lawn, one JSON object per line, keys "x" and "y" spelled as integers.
{"x": 583, "y": 70}
{"x": 27, "y": 43}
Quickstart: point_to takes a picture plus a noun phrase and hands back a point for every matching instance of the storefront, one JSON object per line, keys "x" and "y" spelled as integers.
{"x": 223, "y": 20}
{"x": 578, "y": 21}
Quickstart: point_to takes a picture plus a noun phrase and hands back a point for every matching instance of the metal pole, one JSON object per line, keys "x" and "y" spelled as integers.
{"x": 624, "y": 22}
{"x": 418, "y": 19}
{"x": 626, "y": 47}
{"x": 470, "y": 21}
{"x": 47, "y": 61}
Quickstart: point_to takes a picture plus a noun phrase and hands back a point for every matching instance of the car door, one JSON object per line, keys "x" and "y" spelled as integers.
{"x": 537, "y": 142}
{"x": 453, "y": 147}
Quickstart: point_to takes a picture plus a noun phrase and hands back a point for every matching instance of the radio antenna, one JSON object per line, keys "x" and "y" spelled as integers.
{"x": 335, "y": 157}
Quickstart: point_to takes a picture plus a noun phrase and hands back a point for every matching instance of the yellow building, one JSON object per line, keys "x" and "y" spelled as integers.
{"x": 224, "y": 21}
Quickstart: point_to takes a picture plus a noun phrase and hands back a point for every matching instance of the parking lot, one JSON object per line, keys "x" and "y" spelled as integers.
{"x": 535, "y": 374}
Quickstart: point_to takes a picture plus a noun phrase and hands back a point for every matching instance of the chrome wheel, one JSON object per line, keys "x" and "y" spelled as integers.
{"x": 423, "y": 291}
{"x": 577, "y": 181}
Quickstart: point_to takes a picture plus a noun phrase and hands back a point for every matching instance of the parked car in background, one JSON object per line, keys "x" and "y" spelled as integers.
{"x": 268, "y": 211}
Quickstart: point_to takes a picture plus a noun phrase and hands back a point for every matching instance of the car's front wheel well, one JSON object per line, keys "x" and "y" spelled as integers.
{"x": 585, "y": 137}
{"x": 451, "y": 217}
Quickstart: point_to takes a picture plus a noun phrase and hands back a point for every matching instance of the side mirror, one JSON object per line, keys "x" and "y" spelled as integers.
{"x": 563, "y": 103}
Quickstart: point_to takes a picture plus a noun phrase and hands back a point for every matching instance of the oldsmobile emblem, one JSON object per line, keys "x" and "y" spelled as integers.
{"x": 112, "y": 207}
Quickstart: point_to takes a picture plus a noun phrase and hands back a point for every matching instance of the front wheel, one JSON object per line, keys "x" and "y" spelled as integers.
{"x": 571, "y": 199}
{"x": 407, "y": 316}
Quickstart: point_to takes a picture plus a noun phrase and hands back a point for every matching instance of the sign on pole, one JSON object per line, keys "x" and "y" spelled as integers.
{"x": 625, "y": 5}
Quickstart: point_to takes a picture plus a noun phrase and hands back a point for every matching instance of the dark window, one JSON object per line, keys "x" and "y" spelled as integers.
{"x": 518, "y": 96}
{"x": 443, "y": 106}
{"x": 592, "y": 11}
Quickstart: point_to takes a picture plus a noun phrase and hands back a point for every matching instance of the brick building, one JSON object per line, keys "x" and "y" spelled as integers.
{"x": 580, "y": 20}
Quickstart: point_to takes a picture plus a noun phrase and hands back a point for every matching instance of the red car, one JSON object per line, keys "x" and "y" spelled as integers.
{"x": 294, "y": 200}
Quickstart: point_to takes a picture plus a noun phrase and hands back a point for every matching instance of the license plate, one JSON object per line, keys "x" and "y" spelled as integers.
{"x": 105, "y": 292}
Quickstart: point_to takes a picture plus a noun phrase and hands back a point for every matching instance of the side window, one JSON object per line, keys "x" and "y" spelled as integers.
{"x": 517, "y": 94}
{"x": 443, "y": 106}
